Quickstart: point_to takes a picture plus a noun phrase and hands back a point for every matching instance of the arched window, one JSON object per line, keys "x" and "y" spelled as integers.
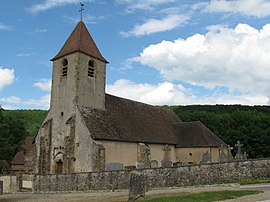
{"x": 91, "y": 68}
{"x": 64, "y": 67}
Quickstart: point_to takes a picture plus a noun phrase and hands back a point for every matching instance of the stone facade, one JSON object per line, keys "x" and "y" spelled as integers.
{"x": 31, "y": 161}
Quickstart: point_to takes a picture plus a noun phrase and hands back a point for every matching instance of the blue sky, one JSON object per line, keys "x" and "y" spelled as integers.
{"x": 159, "y": 51}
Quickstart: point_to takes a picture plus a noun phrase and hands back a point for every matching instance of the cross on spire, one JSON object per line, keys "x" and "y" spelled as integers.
{"x": 81, "y": 10}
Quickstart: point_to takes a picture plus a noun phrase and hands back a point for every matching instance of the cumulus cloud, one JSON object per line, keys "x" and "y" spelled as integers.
{"x": 133, "y": 5}
{"x": 43, "y": 102}
{"x": 157, "y": 25}
{"x": 7, "y": 77}
{"x": 168, "y": 93}
{"x": 44, "y": 85}
{"x": 11, "y": 100}
{"x": 14, "y": 102}
{"x": 257, "y": 8}
{"x": 49, "y": 4}
{"x": 238, "y": 59}
{"x": 4, "y": 27}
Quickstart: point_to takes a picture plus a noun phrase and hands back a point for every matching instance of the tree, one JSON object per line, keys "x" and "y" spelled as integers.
{"x": 12, "y": 135}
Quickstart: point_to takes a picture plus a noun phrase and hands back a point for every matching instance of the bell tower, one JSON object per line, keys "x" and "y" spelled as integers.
{"x": 79, "y": 73}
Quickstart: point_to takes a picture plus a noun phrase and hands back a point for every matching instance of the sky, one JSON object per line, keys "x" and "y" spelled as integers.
{"x": 160, "y": 52}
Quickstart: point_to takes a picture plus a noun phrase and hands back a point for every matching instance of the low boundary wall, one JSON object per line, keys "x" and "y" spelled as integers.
{"x": 155, "y": 178}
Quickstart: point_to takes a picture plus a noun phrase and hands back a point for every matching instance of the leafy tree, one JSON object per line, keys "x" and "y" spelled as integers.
{"x": 12, "y": 135}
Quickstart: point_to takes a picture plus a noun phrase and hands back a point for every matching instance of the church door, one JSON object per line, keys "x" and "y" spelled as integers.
{"x": 59, "y": 167}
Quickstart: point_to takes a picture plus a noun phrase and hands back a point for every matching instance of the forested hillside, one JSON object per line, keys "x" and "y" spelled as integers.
{"x": 250, "y": 125}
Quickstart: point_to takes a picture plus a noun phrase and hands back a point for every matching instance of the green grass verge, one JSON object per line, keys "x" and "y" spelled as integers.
{"x": 203, "y": 196}
{"x": 254, "y": 181}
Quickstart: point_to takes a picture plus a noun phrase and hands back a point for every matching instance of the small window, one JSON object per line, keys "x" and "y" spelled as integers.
{"x": 64, "y": 67}
{"x": 91, "y": 68}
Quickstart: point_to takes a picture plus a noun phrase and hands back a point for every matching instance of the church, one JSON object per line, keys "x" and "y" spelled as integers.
{"x": 87, "y": 130}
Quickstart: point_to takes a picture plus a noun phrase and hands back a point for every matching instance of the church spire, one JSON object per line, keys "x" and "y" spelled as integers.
{"x": 80, "y": 40}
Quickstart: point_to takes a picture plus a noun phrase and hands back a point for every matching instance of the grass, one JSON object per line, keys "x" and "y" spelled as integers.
{"x": 254, "y": 181}
{"x": 203, "y": 196}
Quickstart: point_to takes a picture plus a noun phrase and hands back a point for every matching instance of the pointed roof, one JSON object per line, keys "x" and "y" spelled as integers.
{"x": 80, "y": 40}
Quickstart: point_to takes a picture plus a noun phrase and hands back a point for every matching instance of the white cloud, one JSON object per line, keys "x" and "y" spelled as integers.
{"x": 11, "y": 100}
{"x": 23, "y": 54}
{"x": 238, "y": 59}
{"x": 7, "y": 77}
{"x": 14, "y": 102}
{"x": 153, "y": 25}
{"x": 44, "y": 85}
{"x": 142, "y": 4}
{"x": 41, "y": 30}
{"x": 168, "y": 93}
{"x": 257, "y": 8}
{"x": 4, "y": 27}
{"x": 49, "y": 4}
{"x": 43, "y": 102}
{"x": 87, "y": 19}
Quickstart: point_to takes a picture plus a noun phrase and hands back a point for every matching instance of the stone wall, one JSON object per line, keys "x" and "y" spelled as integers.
{"x": 10, "y": 183}
{"x": 156, "y": 178}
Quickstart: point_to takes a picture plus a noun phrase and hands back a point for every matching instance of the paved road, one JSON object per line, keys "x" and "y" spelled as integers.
{"x": 263, "y": 187}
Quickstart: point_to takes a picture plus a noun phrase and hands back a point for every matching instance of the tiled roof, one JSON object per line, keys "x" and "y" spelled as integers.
{"x": 126, "y": 120}
{"x": 130, "y": 121}
{"x": 19, "y": 157}
{"x": 196, "y": 134}
{"x": 80, "y": 40}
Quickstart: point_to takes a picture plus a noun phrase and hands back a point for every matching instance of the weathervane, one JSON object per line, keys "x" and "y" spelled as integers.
{"x": 81, "y": 10}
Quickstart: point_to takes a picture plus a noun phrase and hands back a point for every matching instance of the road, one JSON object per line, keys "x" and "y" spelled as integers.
{"x": 263, "y": 187}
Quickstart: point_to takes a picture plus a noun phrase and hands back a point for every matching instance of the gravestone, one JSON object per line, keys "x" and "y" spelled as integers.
{"x": 245, "y": 155}
{"x": 143, "y": 155}
{"x": 230, "y": 156}
{"x": 166, "y": 162}
{"x": 1, "y": 187}
{"x": 154, "y": 164}
{"x": 114, "y": 166}
{"x": 140, "y": 165}
{"x": 177, "y": 164}
{"x": 222, "y": 155}
{"x": 206, "y": 157}
{"x": 239, "y": 154}
{"x": 137, "y": 185}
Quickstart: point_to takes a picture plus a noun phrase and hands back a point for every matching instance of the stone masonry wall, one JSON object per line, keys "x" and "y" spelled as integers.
{"x": 156, "y": 178}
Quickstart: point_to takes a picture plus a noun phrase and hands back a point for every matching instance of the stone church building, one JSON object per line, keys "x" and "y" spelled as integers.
{"x": 87, "y": 130}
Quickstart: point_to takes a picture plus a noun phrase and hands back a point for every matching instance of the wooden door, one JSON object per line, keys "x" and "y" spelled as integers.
{"x": 59, "y": 167}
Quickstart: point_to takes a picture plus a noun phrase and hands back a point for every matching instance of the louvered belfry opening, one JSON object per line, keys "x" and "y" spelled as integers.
{"x": 91, "y": 68}
{"x": 64, "y": 67}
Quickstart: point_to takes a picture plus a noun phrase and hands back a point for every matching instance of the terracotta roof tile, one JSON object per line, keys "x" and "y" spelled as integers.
{"x": 80, "y": 40}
